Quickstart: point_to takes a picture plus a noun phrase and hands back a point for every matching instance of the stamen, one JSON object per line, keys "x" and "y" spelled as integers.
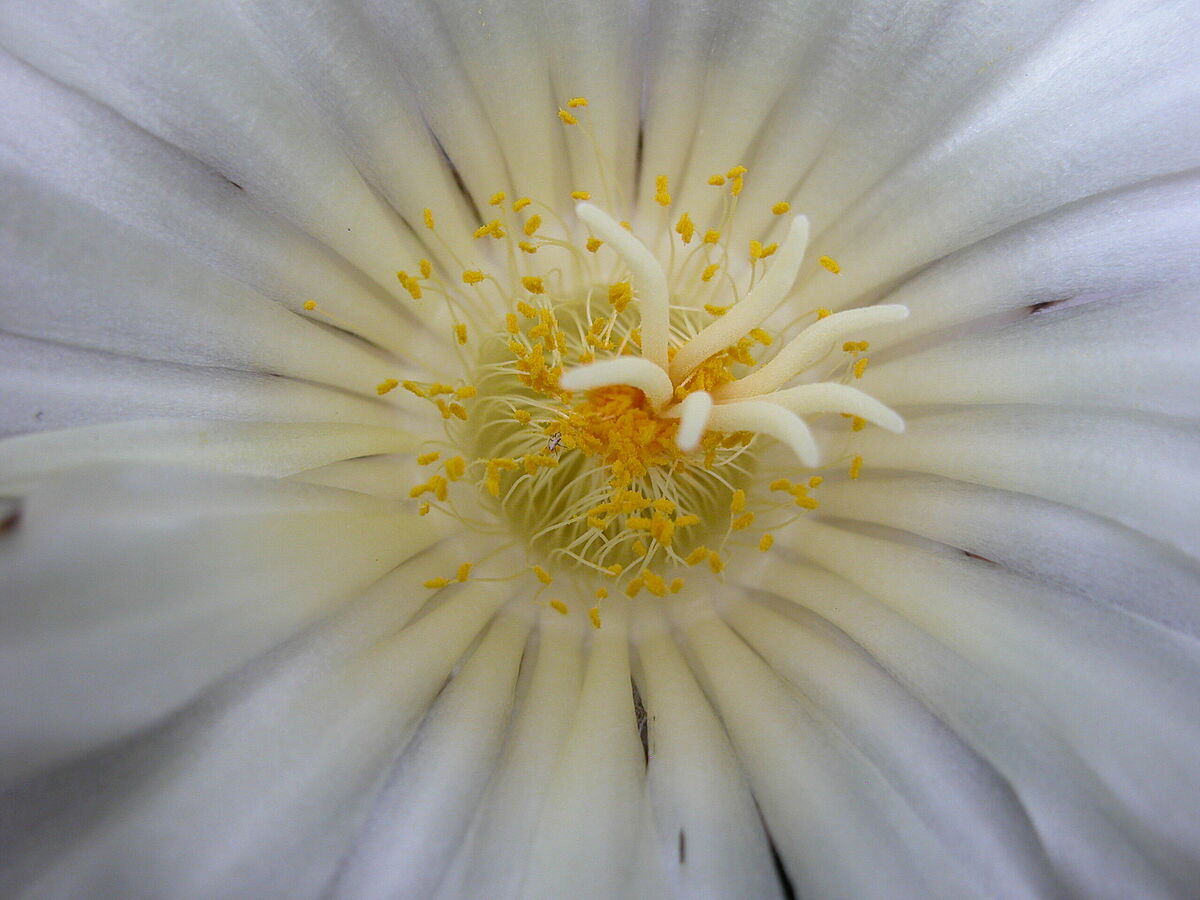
{"x": 631, "y": 370}
{"x": 654, "y": 297}
{"x": 806, "y": 348}
{"x": 762, "y": 300}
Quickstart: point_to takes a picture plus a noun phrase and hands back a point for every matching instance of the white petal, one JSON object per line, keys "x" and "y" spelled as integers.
{"x": 596, "y": 785}
{"x": 711, "y": 838}
{"x": 1059, "y": 545}
{"x": 45, "y": 385}
{"x": 1142, "y": 472}
{"x": 493, "y": 857}
{"x": 1086, "y": 833}
{"x": 1139, "y": 353}
{"x": 419, "y": 817}
{"x": 250, "y": 448}
{"x": 128, "y": 592}
{"x": 840, "y": 828}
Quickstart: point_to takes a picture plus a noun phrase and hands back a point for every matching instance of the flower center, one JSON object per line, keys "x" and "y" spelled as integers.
{"x": 615, "y": 413}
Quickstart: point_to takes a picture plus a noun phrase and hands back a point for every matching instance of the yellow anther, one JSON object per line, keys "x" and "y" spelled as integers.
{"x": 858, "y": 424}
{"x": 464, "y": 572}
{"x": 716, "y": 180}
{"x": 780, "y": 484}
{"x": 685, "y": 521}
{"x": 762, "y": 337}
{"x": 310, "y": 305}
{"x": 594, "y": 244}
{"x": 494, "y": 228}
{"x": 384, "y": 386}
{"x": 511, "y": 325}
{"x": 576, "y": 102}
{"x": 542, "y": 575}
{"x": 661, "y": 196}
{"x": 567, "y": 118}
{"x": 460, "y": 332}
{"x": 781, "y": 207}
{"x": 410, "y": 284}
{"x": 654, "y": 583}
{"x": 634, "y": 587}
{"x": 823, "y": 313}
{"x": 849, "y": 346}
{"x": 434, "y": 583}
{"x": 663, "y": 505}
{"x": 413, "y": 388}
{"x": 426, "y": 268}
{"x": 466, "y": 392}
{"x": 640, "y": 548}
{"x": 527, "y": 247}
{"x": 697, "y": 556}
{"x": 712, "y": 236}
{"x": 423, "y": 509}
{"x": 532, "y": 224}
{"x": 830, "y": 263}
{"x": 855, "y": 466}
{"x": 815, "y": 481}
{"x": 738, "y": 501}
{"x": 497, "y": 198}
{"x": 426, "y": 458}
{"x": 615, "y": 569}
{"x": 769, "y": 250}
{"x": 709, "y": 271}
{"x": 519, "y": 205}
{"x": 522, "y": 415}
{"x": 620, "y": 294}
{"x": 745, "y": 520}
{"x": 472, "y": 276}
{"x": 685, "y": 228}
{"x": 626, "y": 226}
{"x": 456, "y": 467}
{"x": 559, "y": 607}
{"x": 715, "y": 310}
{"x": 736, "y": 171}
{"x": 428, "y": 218}
{"x": 735, "y": 185}
{"x": 715, "y": 562}
{"x": 860, "y": 367}
{"x": 594, "y": 617}
{"x": 601, "y": 593}
{"x": 581, "y": 195}
{"x": 756, "y": 250}
{"x": 533, "y": 284}
{"x": 766, "y": 542}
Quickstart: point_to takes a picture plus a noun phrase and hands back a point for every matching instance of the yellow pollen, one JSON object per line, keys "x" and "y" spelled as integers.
{"x": 860, "y": 367}
{"x": 533, "y": 284}
{"x": 743, "y": 521}
{"x": 709, "y": 271}
{"x": 715, "y": 310}
{"x": 423, "y": 509}
{"x": 594, "y": 616}
{"x": 533, "y": 224}
{"x": 712, "y": 236}
{"x": 620, "y": 295}
{"x": 511, "y": 325}
{"x": 310, "y": 305}
{"x": 661, "y": 196}
{"x": 858, "y": 424}
{"x": 426, "y": 458}
{"x": 823, "y": 313}
{"x": 685, "y": 228}
{"x": 762, "y": 337}
{"x": 781, "y": 207}
{"x": 856, "y": 466}
{"x": 830, "y": 263}
{"x": 594, "y": 244}
{"x": 581, "y": 195}
{"x": 738, "y": 503}
{"x": 601, "y": 593}
{"x": 426, "y": 268}
{"x": 716, "y": 180}
{"x": 384, "y": 386}
{"x": 435, "y": 583}
{"x": 460, "y": 332}
{"x": 464, "y": 572}
{"x": 567, "y": 118}
{"x": 456, "y": 467}
{"x": 542, "y": 575}
{"x": 815, "y": 481}
{"x": 559, "y": 607}
{"x": 527, "y": 247}
{"x": 576, "y": 102}
{"x": 466, "y": 391}
{"x": 472, "y": 276}
{"x": 766, "y": 542}
{"x": 519, "y": 205}
{"x": 428, "y": 218}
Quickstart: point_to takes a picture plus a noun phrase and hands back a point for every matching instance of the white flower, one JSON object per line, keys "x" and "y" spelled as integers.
{"x": 972, "y": 670}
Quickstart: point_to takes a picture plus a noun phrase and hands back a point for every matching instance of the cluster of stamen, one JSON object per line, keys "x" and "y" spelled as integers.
{"x": 613, "y": 412}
